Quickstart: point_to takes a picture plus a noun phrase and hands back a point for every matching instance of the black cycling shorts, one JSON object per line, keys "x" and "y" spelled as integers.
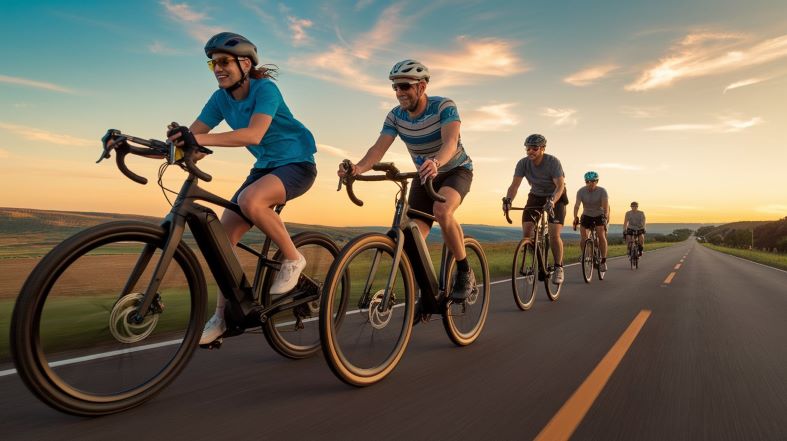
{"x": 458, "y": 178}
{"x": 532, "y": 214}
{"x": 593, "y": 221}
{"x": 632, "y": 232}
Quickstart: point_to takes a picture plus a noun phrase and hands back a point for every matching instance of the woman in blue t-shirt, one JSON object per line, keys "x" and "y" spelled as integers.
{"x": 251, "y": 104}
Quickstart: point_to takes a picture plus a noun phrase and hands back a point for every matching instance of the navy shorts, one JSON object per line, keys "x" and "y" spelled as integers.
{"x": 593, "y": 221}
{"x": 297, "y": 178}
{"x": 533, "y": 214}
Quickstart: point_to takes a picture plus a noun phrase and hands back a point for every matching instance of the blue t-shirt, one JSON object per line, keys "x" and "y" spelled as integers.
{"x": 287, "y": 140}
{"x": 423, "y": 135}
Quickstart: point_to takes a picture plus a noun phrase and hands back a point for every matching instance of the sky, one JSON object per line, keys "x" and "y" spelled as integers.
{"x": 681, "y": 106}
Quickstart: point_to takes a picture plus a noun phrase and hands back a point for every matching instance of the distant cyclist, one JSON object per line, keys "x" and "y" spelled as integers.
{"x": 595, "y": 213}
{"x": 429, "y": 127}
{"x": 545, "y": 175}
{"x": 634, "y": 226}
{"x": 252, "y": 105}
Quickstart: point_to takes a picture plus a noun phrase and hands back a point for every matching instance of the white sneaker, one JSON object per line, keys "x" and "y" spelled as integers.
{"x": 287, "y": 277}
{"x": 557, "y": 276}
{"x": 213, "y": 329}
{"x": 602, "y": 267}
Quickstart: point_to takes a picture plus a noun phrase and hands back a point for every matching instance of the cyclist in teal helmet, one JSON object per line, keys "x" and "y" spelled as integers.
{"x": 595, "y": 213}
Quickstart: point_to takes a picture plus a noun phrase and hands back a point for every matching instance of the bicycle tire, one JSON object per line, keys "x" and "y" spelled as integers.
{"x": 350, "y": 342}
{"x": 524, "y": 275}
{"x": 464, "y": 322}
{"x": 281, "y": 330}
{"x": 50, "y": 294}
{"x": 587, "y": 260}
{"x": 601, "y": 274}
{"x": 552, "y": 289}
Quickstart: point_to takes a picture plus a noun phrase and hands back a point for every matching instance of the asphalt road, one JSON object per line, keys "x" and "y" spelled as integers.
{"x": 709, "y": 363}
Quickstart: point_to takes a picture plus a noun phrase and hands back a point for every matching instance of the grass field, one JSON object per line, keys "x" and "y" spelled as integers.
{"x": 763, "y": 257}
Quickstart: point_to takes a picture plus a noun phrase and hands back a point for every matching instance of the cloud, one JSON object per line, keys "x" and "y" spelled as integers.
{"x": 725, "y": 125}
{"x": 298, "y": 27}
{"x": 779, "y": 209}
{"x": 562, "y": 117}
{"x": 475, "y": 59}
{"x": 590, "y": 75}
{"x": 744, "y": 83}
{"x": 642, "y": 112}
{"x": 494, "y": 117}
{"x": 34, "y": 134}
{"x": 388, "y": 26}
{"x": 703, "y": 54}
{"x": 616, "y": 166}
{"x": 160, "y": 48}
{"x": 191, "y": 20}
{"x": 333, "y": 151}
{"x": 35, "y": 84}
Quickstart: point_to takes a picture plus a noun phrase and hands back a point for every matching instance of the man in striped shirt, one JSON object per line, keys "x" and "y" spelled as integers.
{"x": 429, "y": 127}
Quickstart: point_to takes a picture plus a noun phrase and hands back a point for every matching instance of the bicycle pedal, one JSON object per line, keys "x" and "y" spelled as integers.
{"x": 215, "y": 344}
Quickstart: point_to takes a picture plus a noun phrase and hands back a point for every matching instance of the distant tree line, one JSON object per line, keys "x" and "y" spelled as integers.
{"x": 768, "y": 236}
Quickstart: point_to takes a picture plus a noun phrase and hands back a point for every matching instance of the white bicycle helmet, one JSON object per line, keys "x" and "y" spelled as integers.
{"x": 409, "y": 69}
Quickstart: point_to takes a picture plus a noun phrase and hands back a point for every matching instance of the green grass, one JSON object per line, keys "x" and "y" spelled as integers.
{"x": 763, "y": 257}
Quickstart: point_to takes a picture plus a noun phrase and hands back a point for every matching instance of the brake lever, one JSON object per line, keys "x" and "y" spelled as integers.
{"x": 111, "y": 133}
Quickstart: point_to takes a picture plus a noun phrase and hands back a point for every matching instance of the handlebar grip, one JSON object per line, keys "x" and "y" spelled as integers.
{"x": 433, "y": 194}
{"x": 351, "y": 194}
{"x": 120, "y": 159}
{"x": 508, "y": 218}
{"x": 191, "y": 167}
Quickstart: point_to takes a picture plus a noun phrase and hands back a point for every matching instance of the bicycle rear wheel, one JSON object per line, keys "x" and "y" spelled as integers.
{"x": 464, "y": 321}
{"x": 587, "y": 260}
{"x": 523, "y": 275}
{"x": 294, "y": 332}
{"x": 597, "y": 258}
{"x": 73, "y": 339}
{"x": 362, "y": 340}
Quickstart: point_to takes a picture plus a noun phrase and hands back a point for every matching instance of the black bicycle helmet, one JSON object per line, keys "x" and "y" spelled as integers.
{"x": 535, "y": 140}
{"x": 234, "y": 44}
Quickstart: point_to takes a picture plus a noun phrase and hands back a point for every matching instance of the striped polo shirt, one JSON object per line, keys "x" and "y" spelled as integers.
{"x": 422, "y": 135}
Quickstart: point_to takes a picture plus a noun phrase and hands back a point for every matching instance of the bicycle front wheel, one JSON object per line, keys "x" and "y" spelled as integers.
{"x": 523, "y": 275}
{"x": 364, "y": 335}
{"x": 464, "y": 321}
{"x": 294, "y": 332}
{"x": 73, "y": 337}
{"x": 587, "y": 260}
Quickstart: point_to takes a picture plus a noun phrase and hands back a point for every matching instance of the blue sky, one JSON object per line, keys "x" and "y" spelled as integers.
{"x": 677, "y": 104}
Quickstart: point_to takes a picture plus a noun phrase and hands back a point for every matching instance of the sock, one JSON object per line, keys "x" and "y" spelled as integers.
{"x": 463, "y": 265}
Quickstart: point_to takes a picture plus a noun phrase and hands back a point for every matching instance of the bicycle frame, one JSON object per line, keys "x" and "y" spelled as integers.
{"x": 540, "y": 230}
{"x": 218, "y": 253}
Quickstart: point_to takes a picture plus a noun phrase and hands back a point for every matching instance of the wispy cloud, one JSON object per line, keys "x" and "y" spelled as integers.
{"x": 778, "y": 209}
{"x": 191, "y": 20}
{"x": 702, "y": 54}
{"x": 744, "y": 83}
{"x": 475, "y": 59}
{"x": 160, "y": 48}
{"x": 493, "y": 117}
{"x": 562, "y": 117}
{"x": 333, "y": 151}
{"x": 34, "y": 134}
{"x": 725, "y": 125}
{"x": 590, "y": 75}
{"x": 36, "y": 84}
{"x": 616, "y": 166}
{"x": 298, "y": 27}
{"x": 642, "y": 112}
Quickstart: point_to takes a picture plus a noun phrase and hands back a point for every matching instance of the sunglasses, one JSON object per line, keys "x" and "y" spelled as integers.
{"x": 533, "y": 147}
{"x": 404, "y": 87}
{"x": 588, "y": 182}
{"x": 222, "y": 62}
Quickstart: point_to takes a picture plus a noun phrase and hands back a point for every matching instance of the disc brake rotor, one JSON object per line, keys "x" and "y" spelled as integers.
{"x": 125, "y": 330}
{"x": 379, "y": 319}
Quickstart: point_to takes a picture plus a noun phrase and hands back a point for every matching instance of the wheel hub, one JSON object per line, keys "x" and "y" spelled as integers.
{"x": 380, "y": 319}
{"x": 123, "y": 327}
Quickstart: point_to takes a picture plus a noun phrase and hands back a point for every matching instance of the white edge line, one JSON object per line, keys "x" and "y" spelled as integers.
{"x": 747, "y": 260}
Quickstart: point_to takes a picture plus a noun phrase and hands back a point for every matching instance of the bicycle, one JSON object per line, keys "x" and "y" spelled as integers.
{"x": 633, "y": 248}
{"x": 365, "y": 345}
{"x": 591, "y": 256}
{"x": 129, "y": 297}
{"x": 531, "y": 262}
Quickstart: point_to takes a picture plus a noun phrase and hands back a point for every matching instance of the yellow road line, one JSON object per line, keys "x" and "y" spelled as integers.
{"x": 567, "y": 419}
{"x": 669, "y": 278}
{"x": 677, "y": 267}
